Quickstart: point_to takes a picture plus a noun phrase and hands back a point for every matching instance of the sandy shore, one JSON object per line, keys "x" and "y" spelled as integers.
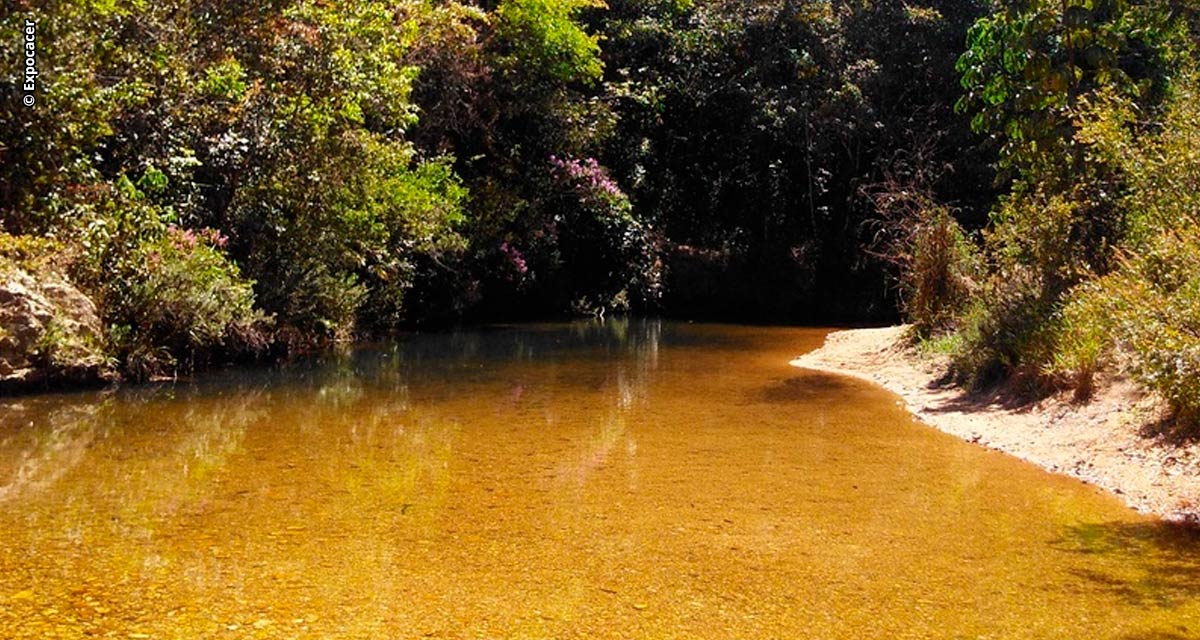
{"x": 1110, "y": 441}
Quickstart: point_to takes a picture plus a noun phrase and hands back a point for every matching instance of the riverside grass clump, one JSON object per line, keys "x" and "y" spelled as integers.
{"x": 937, "y": 264}
{"x": 940, "y": 271}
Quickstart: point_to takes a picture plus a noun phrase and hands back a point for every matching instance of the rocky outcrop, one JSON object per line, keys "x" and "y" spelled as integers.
{"x": 50, "y": 333}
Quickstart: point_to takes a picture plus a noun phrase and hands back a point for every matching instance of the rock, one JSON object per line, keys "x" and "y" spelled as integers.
{"x": 50, "y": 333}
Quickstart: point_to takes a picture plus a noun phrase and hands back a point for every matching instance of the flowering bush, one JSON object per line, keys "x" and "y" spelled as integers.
{"x": 168, "y": 295}
{"x": 191, "y": 238}
{"x": 588, "y": 177}
{"x": 613, "y": 262}
{"x": 515, "y": 258}
{"x": 186, "y": 299}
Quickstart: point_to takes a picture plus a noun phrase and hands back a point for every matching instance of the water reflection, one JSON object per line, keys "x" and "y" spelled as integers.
{"x": 34, "y": 456}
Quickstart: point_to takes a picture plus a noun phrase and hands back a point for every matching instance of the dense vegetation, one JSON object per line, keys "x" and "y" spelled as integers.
{"x": 1088, "y": 263}
{"x": 226, "y": 177}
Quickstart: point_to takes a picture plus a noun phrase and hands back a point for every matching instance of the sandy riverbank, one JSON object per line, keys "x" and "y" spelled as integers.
{"x": 1110, "y": 441}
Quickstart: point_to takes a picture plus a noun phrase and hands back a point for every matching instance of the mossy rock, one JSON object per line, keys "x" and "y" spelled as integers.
{"x": 50, "y": 334}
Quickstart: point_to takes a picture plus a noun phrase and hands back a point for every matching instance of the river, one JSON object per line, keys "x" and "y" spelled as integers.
{"x": 626, "y": 479}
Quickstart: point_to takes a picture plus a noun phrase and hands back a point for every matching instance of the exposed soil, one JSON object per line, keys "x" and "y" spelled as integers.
{"x": 1116, "y": 440}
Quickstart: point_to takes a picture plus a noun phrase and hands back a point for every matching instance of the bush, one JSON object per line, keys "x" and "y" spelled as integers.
{"x": 1151, "y": 307}
{"x": 32, "y": 254}
{"x": 1147, "y": 311}
{"x": 941, "y": 274}
{"x": 937, "y": 263}
{"x": 185, "y": 294}
{"x": 169, "y": 296}
{"x": 583, "y": 248}
{"x": 1081, "y": 333}
{"x": 1005, "y": 332}
{"x": 1066, "y": 218}
{"x": 1041, "y": 247}
{"x": 339, "y": 236}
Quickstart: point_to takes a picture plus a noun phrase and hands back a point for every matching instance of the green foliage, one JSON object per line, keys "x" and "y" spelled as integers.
{"x": 184, "y": 294}
{"x": 320, "y": 197}
{"x": 353, "y": 167}
{"x": 1147, "y": 311}
{"x": 1042, "y": 245}
{"x": 1043, "y": 232}
{"x": 341, "y": 231}
{"x": 1082, "y": 347}
{"x": 1030, "y": 68}
{"x": 29, "y": 253}
{"x": 47, "y": 147}
{"x": 541, "y": 40}
{"x": 1029, "y": 63}
{"x": 51, "y": 344}
{"x": 408, "y": 216}
{"x": 1094, "y": 253}
{"x": 225, "y": 79}
{"x": 1159, "y": 163}
{"x": 745, "y": 130}
{"x": 1005, "y": 332}
{"x": 170, "y": 296}
{"x": 604, "y": 250}
{"x": 281, "y": 125}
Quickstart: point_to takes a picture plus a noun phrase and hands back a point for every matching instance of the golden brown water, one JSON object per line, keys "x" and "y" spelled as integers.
{"x": 619, "y": 480}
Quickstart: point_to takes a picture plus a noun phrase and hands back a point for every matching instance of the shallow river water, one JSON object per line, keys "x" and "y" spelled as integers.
{"x": 631, "y": 479}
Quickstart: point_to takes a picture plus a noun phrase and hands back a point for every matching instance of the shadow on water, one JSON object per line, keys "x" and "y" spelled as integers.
{"x": 805, "y": 389}
{"x": 1166, "y": 555}
{"x": 1185, "y": 634}
{"x": 452, "y": 351}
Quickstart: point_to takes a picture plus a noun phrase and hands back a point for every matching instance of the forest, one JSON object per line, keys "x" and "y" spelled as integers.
{"x": 234, "y": 180}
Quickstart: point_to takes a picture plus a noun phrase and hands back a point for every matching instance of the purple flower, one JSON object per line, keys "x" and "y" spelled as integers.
{"x": 514, "y": 258}
{"x": 187, "y": 239}
{"x": 589, "y": 178}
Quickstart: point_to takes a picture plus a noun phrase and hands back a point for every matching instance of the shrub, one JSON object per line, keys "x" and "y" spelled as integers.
{"x": 1041, "y": 246}
{"x": 941, "y": 273}
{"x": 607, "y": 252}
{"x": 1004, "y": 332}
{"x": 1147, "y": 311}
{"x": 169, "y": 296}
{"x": 937, "y": 264}
{"x": 31, "y": 253}
{"x": 1152, "y": 308}
{"x": 182, "y": 298}
{"x": 1081, "y": 333}
{"x": 1066, "y": 218}
{"x": 339, "y": 237}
